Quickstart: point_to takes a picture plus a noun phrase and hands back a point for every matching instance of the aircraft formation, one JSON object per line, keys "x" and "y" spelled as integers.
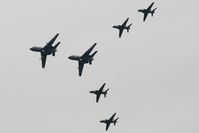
{"x": 88, "y": 57}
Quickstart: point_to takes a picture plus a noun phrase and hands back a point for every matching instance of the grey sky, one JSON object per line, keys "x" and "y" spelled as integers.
{"x": 152, "y": 72}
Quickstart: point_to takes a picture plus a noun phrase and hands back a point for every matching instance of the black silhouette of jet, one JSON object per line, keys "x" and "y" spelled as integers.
{"x": 109, "y": 121}
{"x": 147, "y": 11}
{"x": 85, "y": 58}
{"x": 48, "y": 49}
{"x": 122, "y": 27}
{"x": 99, "y": 92}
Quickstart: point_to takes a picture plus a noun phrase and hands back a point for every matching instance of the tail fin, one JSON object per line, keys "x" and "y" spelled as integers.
{"x": 57, "y": 45}
{"x": 129, "y": 27}
{"x": 116, "y": 121}
{"x": 93, "y": 54}
{"x": 105, "y": 92}
{"x": 153, "y": 11}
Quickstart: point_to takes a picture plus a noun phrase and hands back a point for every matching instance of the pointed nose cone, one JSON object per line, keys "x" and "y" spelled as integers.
{"x": 139, "y": 10}
{"x": 31, "y": 49}
{"x": 114, "y": 26}
{"x": 101, "y": 121}
{"x": 70, "y": 57}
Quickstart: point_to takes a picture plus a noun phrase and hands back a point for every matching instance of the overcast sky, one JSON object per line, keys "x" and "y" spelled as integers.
{"x": 152, "y": 72}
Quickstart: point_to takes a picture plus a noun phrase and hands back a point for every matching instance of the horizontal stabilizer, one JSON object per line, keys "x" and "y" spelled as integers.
{"x": 57, "y": 45}
{"x": 105, "y": 93}
{"x": 116, "y": 121}
{"x": 128, "y": 28}
{"x": 93, "y": 54}
{"x": 153, "y": 11}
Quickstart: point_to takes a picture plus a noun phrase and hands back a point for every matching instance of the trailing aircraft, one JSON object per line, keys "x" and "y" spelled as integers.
{"x": 84, "y": 59}
{"x": 109, "y": 121}
{"x": 99, "y": 92}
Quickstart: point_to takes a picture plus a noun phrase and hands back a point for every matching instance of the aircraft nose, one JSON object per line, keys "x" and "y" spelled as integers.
{"x": 31, "y": 49}
{"x": 69, "y": 57}
{"x": 102, "y": 121}
{"x": 91, "y": 91}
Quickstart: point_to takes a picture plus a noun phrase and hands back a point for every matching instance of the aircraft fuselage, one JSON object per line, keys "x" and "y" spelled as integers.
{"x": 145, "y": 11}
{"x": 47, "y": 51}
{"x": 120, "y": 27}
{"x": 98, "y": 92}
{"x": 79, "y": 58}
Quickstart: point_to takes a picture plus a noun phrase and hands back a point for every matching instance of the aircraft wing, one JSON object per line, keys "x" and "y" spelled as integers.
{"x": 124, "y": 24}
{"x": 107, "y": 125}
{"x": 112, "y": 117}
{"x": 43, "y": 59}
{"x": 101, "y": 89}
{"x": 145, "y": 16}
{"x": 80, "y": 67}
{"x": 149, "y": 8}
{"x": 120, "y": 32}
{"x": 97, "y": 97}
{"x": 89, "y": 50}
{"x": 53, "y": 40}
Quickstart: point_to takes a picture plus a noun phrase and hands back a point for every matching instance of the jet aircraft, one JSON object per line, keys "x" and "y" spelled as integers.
{"x": 109, "y": 121}
{"x": 122, "y": 27}
{"x": 99, "y": 92}
{"x": 147, "y": 11}
{"x": 48, "y": 49}
{"x": 85, "y": 58}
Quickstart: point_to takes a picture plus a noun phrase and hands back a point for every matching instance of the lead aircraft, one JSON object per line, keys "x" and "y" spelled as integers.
{"x": 84, "y": 59}
{"x": 48, "y": 49}
{"x": 147, "y": 11}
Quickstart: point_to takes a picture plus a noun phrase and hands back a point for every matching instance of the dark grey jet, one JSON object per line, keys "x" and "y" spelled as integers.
{"x": 85, "y": 58}
{"x": 99, "y": 92}
{"x": 122, "y": 27}
{"x": 147, "y": 11}
{"x": 109, "y": 121}
{"x": 48, "y": 49}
